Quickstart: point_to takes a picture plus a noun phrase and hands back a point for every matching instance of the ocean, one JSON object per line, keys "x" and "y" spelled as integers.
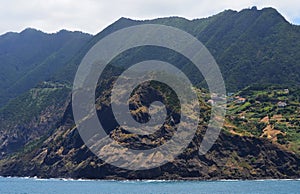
{"x": 13, "y": 185}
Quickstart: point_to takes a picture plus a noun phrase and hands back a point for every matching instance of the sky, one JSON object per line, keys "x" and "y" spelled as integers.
{"x": 92, "y": 16}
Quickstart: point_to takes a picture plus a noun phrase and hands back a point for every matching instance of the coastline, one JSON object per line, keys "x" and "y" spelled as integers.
{"x": 146, "y": 180}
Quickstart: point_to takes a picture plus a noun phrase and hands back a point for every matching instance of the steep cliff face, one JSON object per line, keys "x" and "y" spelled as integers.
{"x": 232, "y": 157}
{"x": 32, "y": 117}
{"x": 64, "y": 154}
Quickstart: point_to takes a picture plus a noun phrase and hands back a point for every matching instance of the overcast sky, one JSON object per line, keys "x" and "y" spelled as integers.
{"x": 93, "y": 15}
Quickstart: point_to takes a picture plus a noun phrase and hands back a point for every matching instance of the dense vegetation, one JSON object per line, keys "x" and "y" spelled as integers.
{"x": 32, "y": 56}
{"x": 250, "y": 46}
{"x": 259, "y": 42}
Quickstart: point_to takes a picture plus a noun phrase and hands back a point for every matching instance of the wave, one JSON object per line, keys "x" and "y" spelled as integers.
{"x": 139, "y": 180}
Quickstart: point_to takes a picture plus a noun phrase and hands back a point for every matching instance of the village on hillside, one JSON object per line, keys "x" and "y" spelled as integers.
{"x": 271, "y": 113}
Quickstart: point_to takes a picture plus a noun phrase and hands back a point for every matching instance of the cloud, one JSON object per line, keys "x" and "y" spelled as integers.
{"x": 94, "y": 15}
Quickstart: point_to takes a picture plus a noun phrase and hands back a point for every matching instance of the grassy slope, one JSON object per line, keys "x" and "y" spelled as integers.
{"x": 260, "y": 115}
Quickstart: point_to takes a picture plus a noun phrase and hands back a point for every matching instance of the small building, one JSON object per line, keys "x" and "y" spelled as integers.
{"x": 240, "y": 100}
{"x": 281, "y": 104}
{"x": 211, "y": 102}
{"x": 286, "y": 91}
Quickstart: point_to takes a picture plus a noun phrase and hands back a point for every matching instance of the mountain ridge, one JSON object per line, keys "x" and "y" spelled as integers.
{"x": 30, "y": 30}
{"x": 206, "y": 30}
{"x": 21, "y": 54}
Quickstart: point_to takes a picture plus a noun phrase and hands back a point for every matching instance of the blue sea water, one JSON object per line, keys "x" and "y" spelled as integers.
{"x": 57, "y": 186}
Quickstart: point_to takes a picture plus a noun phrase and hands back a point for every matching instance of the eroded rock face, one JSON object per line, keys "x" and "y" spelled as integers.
{"x": 232, "y": 157}
{"x": 64, "y": 154}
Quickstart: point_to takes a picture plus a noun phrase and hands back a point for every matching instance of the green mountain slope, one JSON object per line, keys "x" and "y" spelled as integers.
{"x": 259, "y": 42}
{"x": 30, "y": 107}
{"x": 31, "y": 116}
{"x": 32, "y": 56}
